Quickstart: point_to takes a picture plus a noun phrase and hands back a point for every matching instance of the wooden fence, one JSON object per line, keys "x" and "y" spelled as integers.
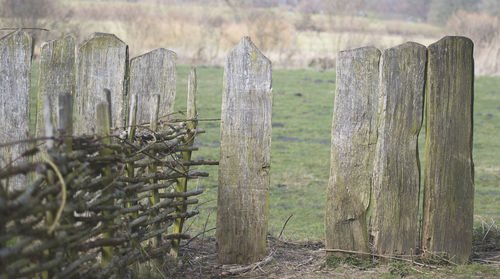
{"x": 375, "y": 168}
{"x": 89, "y": 203}
{"x": 374, "y": 188}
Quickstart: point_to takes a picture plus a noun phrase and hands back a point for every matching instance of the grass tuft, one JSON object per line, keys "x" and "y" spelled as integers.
{"x": 399, "y": 269}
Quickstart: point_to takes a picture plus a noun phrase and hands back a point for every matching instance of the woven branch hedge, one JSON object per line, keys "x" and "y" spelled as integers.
{"x": 96, "y": 204}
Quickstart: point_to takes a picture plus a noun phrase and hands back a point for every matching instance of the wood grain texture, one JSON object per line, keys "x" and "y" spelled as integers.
{"x": 56, "y": 76}
{"x": 449, "y": 170}
{"x": 354, "y": 137}
{"x": 396, "y": 176}
{"x": 242, "y": 210}
{"x": 15, "y": 65}
{"x": 153, "y": 73}
{"x": 101, "y": 63}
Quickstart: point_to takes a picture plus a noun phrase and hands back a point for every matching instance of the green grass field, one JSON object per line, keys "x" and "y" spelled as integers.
{"x": 302, "y": 117}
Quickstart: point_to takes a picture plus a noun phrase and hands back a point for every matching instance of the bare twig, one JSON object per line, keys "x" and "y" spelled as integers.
{"x": 63, "y": 192}
{"x": 196, "y": 236}
{"x": 439, "y": 257}
{"x": 284, "y": 225}
{"x": 23, "y": 28}
{"x": 243, "y": 269}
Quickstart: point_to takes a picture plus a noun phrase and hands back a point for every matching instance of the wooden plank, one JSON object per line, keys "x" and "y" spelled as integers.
{"x": 101, "y": 63}
{"x": 242, "y": 210}
{"x": 150, "y": 74}
{"x": 396, "y": 176}
{"x": 449, "y": 170}
{"x": 56, "y": 76}
{"x": 15, "y": 66}
{"x": 354, "y": 137}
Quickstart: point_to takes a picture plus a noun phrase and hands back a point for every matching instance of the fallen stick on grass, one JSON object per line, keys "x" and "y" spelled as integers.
{"x": 251, "y": 267}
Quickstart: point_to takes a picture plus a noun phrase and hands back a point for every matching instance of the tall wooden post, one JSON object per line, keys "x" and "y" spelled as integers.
{"x": 449, "y": 170}
{"x": 153, "y": 73}
{"x": 56, "y": 76}
{"x": 242, "y": 209}
{"x": 15, "y": 67}
{"x": 396, "y": 176}
{"x": 354, "y": 136}
{"x": 101, "y": 63}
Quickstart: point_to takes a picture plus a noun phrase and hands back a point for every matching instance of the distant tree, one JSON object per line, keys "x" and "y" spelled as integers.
{"x": 441, "y": 10}
{"x": 418, "y": 8}
{"x": 49, "y": 14}
{"x": 491, "y": 7}
{"x": 25, "y": 13}
{"x": 342, "y": 7}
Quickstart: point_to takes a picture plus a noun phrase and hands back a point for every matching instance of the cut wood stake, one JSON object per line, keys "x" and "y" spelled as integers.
{"x": 49, "y": 128}
{"x": 65, "y": 118}
{"x": 155, "y": 198}
{"x": 186, "y": 156}
{"x": 131, "y": 133}
{"x": 103, "y": 116}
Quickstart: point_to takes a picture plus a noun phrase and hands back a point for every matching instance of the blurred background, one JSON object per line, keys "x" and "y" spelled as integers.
{"x": 292, "y": 33}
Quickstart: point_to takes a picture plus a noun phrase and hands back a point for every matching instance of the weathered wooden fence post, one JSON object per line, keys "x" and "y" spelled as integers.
{"x": 153, "y": 73}
{"x": 56, "y": 76}
{"x": 15, "y": 66}
{"x": 449, "y": 170}
{"x": 101, "y": 63}
{"x": 354, "y": 136}
{"x": 242, "y": 209}
{"x": 396, "y": 176}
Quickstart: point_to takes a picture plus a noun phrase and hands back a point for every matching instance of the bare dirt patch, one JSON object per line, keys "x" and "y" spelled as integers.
{"x": 307, "y": 260}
